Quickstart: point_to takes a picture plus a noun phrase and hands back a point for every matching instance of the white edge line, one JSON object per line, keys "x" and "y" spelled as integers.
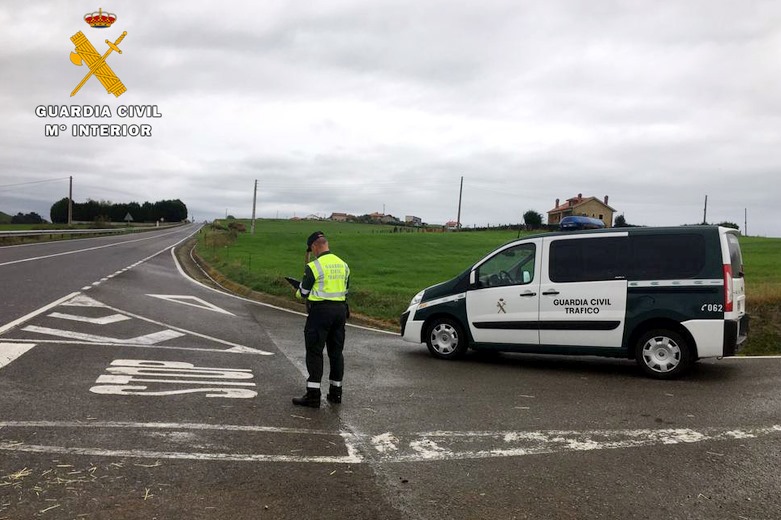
{"x": 8, "y": 326}
{"x": 185, "y": 275}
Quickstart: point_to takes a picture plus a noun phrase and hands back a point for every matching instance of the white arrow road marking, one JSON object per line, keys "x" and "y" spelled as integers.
{"x": 243, "y": 349}
{"x": 11, "y": 351}
{"x": 106, "y": 320}
{"x": 147, "y": 339}
{"x": 80, "y": 300}
{"x": 194, "y": 302}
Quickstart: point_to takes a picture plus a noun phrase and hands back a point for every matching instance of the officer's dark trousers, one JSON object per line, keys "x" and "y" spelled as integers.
{"x": 325, "y": 327}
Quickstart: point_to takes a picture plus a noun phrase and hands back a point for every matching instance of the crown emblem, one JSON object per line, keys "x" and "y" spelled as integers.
{"x": 100, "y": 20}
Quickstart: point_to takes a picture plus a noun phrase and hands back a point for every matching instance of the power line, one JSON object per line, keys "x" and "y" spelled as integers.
{"x": 2, "y": 186}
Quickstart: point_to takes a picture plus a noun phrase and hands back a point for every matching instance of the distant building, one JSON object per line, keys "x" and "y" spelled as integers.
{"x": 383, "y": 218}
{"x": 452, "y": 225}
{"x": 413, "y": 221}
{"x": 589, "y": 207}
{"x": 339, "y": 217}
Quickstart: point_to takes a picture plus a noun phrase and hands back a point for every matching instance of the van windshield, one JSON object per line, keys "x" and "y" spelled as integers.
{"x": 735, "y": 256}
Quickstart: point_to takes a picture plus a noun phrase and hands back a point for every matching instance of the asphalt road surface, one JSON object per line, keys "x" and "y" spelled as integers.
{"x": 130, "y": 391}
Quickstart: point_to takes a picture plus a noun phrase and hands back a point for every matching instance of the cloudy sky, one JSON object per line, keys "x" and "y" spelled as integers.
{"x": 359, "y": 105}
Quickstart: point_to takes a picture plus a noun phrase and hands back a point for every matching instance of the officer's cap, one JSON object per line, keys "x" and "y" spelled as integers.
{"x": 313, "y": 238}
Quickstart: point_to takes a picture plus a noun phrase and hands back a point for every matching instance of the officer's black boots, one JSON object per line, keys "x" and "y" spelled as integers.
{"x": 311, "y": 398}
{"x": 334, "y": 394}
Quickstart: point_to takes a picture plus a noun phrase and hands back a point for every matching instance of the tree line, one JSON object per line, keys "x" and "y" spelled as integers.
{"x": 106, "y": 211}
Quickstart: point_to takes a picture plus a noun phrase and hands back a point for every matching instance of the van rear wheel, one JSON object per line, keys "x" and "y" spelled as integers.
{"x": 663, "y": 354}
{"x": 446, "y": 339}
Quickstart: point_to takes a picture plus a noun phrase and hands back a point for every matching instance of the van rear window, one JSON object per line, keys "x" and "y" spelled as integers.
{"x": 666, "y": 257}
{"x": 735, "y": 256}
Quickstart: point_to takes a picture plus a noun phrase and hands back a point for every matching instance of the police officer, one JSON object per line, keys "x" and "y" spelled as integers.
{"x": 324, "y": 286}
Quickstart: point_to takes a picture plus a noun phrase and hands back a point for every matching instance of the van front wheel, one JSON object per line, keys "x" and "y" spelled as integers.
{"x": 663, "y": 354}
{"x": 446, "y": 339}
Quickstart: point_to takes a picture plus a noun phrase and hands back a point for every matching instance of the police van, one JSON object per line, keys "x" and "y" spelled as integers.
{"x": 663, "y": 296}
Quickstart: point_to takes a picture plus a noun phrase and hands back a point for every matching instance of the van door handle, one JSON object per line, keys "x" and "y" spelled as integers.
{"x": 551, "y": 292}
{"x": 529, "y": 293}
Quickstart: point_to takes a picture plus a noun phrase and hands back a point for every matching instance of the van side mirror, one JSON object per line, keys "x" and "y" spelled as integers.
{"x": 527, "y": 277}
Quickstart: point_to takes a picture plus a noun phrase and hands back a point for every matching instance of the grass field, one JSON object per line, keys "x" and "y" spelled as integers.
{"x": 389, "y": 267}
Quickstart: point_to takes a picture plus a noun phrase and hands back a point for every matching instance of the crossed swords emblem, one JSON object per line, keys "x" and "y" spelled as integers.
{"x": 98, "y": 67}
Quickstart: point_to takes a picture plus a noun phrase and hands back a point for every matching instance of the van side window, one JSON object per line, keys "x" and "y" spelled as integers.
{"x": 666, "y": 257}
{"x": 512, "y": 266}
{"x": 588, "y": 259}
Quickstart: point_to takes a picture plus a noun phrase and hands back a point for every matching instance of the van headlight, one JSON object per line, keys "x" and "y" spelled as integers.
{"x": 417, "y": 299}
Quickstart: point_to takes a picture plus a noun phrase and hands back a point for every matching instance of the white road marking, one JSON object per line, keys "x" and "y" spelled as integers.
{"x": 228, "y": 393}
{"x": 8, "y": 326}
{"x": 11, "y": 351}
{"x": 105, "y": 320}
{"x": 121, "y": 379}
{"x": 268, "y": 305}
{"x": 89, "y": 249}
{"x": 413, "y": 447}
{"x": 198, "y": 303}
{"x": 82, "y": 300}
{"x": 163, "y": 426}
{"x": 243, "y": 348}
{"x": 144, "y": 454}
{"x": 233, "y": 350}
{"x": 147, "y": 339}
{"x": 442, "y": 445}
{"x": 385, "y": 443}
{"x": 125, "y": 380}
{"x": 149, "y": 364}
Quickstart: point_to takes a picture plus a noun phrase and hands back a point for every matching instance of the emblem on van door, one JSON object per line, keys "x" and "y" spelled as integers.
{"x": 501, "y": 305}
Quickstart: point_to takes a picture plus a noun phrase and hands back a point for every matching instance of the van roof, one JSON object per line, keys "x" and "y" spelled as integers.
{"x": 632, "y": 230}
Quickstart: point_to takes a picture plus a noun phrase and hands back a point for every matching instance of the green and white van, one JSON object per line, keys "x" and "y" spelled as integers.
{"x": 663, "y": 296}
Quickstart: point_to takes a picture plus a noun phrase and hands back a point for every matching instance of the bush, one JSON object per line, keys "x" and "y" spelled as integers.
{"x": 237, "y": 227}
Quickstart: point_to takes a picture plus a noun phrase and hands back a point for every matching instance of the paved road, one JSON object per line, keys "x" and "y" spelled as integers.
{"x": 150, "y": 396}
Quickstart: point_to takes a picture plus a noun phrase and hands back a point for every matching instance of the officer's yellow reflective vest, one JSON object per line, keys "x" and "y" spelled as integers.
{"x": 331, "y": 278}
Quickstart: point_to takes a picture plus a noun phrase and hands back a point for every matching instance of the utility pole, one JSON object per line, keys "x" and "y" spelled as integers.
{"x": 745, "y": 221}
{"x": 254, "y": 200}
{"x": 460, "y": 192}
{"x": 70, "y": 201}
{"x": 705, "y": 211}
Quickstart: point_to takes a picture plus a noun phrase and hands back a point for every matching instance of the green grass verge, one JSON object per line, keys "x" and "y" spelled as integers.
{"x": 389, "y": 267}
